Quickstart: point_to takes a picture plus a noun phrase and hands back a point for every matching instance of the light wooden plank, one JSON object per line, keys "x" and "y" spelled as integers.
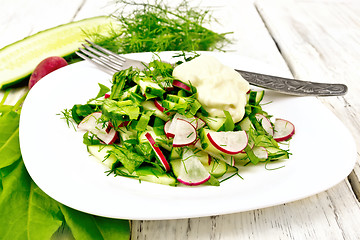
{"x": 24, "y": 18}
{"x": 321, "y": 42}
{"x": 319, "y": 217}
{"x": 21, "y": 18}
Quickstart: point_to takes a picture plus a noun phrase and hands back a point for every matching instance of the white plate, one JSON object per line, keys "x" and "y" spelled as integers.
{"x": 323, "y": 154}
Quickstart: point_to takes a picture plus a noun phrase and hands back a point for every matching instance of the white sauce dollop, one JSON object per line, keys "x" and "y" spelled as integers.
{"x": 219, "y": 87}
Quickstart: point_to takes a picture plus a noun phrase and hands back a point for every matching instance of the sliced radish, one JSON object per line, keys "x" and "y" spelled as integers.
{"x": 179, "y": 84}
{"x": 197, "y": 143}
{"x": 167, "y": 86}
{"x": 158, "y": 151}
{"x": 260, "y": 152}
{"x": 209, "y": 159}
{"x": 122, "y": 124}
{"x": 203, "y": 156}
{"x": 100, "y": 130}
{"x": 199, "y": 123}
{"x": 265, "y": 123}
{"x": 185, "y": 133}
{"x": 90, "y": 121}
{"x": 283, "y": 130}
{"x": 170, "y": 129}
{"x": 160, "y": 107}
{"x": 107, "y": 138}
{"x": 192, "y": 171}
{"x": 229, "y": 142}
{"x": 166, "y": 129}
{"x": 195, "y": 121}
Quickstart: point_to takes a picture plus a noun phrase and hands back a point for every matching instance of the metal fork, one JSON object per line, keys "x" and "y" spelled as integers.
{"x": 113, "y": 62}
{"x": 106, "y": 58}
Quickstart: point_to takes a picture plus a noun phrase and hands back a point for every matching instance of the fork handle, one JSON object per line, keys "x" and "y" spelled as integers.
{"x": 293, "y": 86}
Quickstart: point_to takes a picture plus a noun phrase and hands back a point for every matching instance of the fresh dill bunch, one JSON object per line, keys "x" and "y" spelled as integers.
{"x": 153, "y": 27}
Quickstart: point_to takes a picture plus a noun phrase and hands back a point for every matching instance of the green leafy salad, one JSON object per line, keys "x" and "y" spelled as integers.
{"x": 151, "y": 126}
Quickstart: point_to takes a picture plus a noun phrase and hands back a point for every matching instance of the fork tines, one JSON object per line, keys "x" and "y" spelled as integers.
{"x": 101, "y": 56}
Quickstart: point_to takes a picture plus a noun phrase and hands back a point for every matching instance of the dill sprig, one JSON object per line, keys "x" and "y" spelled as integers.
{"x": 67, "y": 116}
{"x": 153, "y": 27}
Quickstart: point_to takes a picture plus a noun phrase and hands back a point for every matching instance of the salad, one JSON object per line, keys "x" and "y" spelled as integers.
{"x": 152, "y": 126}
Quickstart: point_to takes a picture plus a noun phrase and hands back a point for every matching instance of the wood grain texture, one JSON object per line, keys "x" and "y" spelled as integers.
{"x": 318, "y": 40}
{"x": 324, "y": 216}
{"x": 321, "y": 42}
{"x": 21, "y": 18}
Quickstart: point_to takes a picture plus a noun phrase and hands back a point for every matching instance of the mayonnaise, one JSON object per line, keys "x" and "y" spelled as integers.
{"x": 219, "y": 87}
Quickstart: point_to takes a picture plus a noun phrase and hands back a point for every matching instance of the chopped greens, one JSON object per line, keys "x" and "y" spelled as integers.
{"x": 152, "y": 103}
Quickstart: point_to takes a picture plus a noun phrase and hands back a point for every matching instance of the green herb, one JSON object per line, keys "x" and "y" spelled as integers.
{"x": 103, "y": 89}
{"x": 26, "y": 211}
{"x": 158, "y": 27}
{"x": 66, "y": 115}
{"x": 130, "y": 159}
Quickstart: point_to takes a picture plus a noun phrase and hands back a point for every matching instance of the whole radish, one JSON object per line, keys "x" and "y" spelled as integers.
{"x": 45, "y": 67}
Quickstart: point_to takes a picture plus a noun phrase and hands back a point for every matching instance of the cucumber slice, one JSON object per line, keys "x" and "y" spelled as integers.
{"x": 149, "y": 105}
{"x": 161, "y": 140}
{"x": 217, "y": 168}
{"x": 214, "y": 123}
{"x": 18, "y": 60}
{"x": 152, "y": 88}
{"x": 150, "y": 174}
{"x": 246, "y": 124}
{"x": 255, "y": 97}
{"x": 101, "y": 153}
{"x": 277, "y": 153}
{"x": 175, "y": 153}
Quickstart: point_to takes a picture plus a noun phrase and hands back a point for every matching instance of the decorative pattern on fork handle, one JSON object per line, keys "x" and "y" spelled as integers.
{"x": 293, "y": 86}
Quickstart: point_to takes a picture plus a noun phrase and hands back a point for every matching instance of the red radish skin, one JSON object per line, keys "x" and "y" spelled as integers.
{"x": 266, "y": 124}
{"x": 181, "y": 85}
{"x": 185, "y": 133}
{"x": 224, "y": 144}
{"x": 103, "y": 133}
{"x": 260, "y": 152}
{"x": 193, "y": 183}
{"x": 199, "y": 123}
{"x": 192, "y": 171}
{"x": 158, "y": 151}
{"x": 209, "y": 159}
{"x": 160, "y": 107}
{"x": 123, "y": 124}
{"x": 111, "y": 137}
{"x": 195, "y": 121}
{"x": 45, "y": 67}
{"x": 166, "y": 129}
{"x": 284, "y": 130}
